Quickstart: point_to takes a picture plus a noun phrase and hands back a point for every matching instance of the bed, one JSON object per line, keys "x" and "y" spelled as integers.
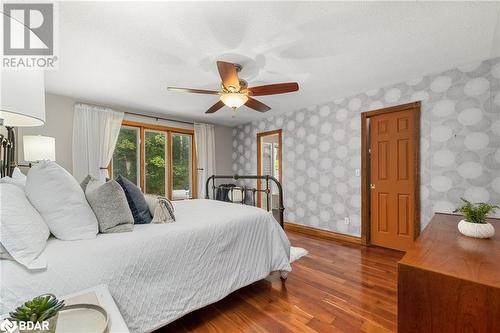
{"x": 160, "y": 272}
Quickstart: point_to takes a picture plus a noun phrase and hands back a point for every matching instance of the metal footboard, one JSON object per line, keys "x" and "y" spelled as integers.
{"x": 245, "y": 190}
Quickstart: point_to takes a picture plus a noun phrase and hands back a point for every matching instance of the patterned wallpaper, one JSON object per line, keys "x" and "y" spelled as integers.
{"x": 460, "y": 147}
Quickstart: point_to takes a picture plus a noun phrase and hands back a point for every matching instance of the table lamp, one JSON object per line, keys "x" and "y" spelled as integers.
{"x": 38, "y": 148}
{"x": 22, "y": 99}
{"x": 22, "y": 104}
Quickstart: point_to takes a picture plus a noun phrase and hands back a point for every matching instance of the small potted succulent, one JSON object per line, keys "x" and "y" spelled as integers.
{"x": 475, "y": 225}
{"x": 38, "y": 315}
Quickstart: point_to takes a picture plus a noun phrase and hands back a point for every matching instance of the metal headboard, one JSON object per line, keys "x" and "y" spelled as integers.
{"x": 266, "y": 190}
{"x": 7, "y": 153}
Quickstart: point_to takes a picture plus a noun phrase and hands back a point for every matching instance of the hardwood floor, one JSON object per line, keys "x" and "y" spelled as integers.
{"x": 338, "y": 287}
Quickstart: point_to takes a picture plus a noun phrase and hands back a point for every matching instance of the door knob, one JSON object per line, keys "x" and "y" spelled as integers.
{"x": 372, "y": 186}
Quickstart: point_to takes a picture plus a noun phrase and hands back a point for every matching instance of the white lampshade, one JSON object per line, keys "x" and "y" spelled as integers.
{"x": 39, "y": 148}
{"x": 234, "y": 100}
{"x": 22, "y": 100}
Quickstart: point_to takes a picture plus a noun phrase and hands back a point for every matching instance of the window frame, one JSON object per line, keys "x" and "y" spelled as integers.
{"x": 168, "y": 131}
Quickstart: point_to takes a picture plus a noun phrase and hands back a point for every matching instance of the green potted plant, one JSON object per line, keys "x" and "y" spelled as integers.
{"x": 38, "y": 315}
{"x": 475, "y": 224}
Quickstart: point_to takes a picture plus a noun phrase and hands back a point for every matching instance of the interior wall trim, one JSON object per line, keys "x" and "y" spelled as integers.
{"x": 324, "y": 234}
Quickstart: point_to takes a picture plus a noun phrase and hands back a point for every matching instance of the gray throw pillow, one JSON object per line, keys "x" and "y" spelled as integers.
{"x": 164, "y": 211}
{"x": 110, "y": 206}
{"x": 85, "y": 182}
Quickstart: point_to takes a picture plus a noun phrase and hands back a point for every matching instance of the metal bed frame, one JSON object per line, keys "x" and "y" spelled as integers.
{"x": 245, "y": 189}
{"x": 7, "y": 153}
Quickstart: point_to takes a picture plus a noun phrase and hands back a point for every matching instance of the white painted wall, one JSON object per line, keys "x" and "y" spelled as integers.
{"x": 59, "y": 124}
{"x": 223, "y": 150}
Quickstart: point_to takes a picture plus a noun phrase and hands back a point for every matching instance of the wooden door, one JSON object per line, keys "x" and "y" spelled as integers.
{"x": 393, "y": 179}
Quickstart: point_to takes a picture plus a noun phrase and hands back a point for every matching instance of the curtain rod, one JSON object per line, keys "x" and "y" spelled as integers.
{"x": 162, "y": 118}
{"x": 141, "y": 114}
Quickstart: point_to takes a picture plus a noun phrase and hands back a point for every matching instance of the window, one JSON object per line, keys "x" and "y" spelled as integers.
{"x": 158, "y": 159}
{"x": 155, "y": 167}
{"x": 126, "y": 158}
{"x": 182, "y": 171}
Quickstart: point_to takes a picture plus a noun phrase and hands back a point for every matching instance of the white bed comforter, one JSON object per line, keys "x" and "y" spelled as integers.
{"x": 160, "y": 272}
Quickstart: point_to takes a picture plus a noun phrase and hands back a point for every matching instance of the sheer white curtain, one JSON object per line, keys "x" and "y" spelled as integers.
{"x": 95, "y": 132}
{"x": 204, "y": 136}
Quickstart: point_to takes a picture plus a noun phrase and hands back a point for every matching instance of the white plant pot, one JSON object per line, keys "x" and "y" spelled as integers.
{"x": 476, "y": 230}
{"x": 51, "y": 328}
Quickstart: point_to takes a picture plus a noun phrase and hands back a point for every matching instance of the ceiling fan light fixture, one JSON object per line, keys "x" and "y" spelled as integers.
{"x": 234, "y": 100}
{"x": 234, "y": 92}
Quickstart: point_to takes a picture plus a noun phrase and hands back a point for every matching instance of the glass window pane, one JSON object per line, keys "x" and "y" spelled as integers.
{"x": 181, "y": 166}
{"x": 126, "y": 155}
{"x": 155, "y": 162}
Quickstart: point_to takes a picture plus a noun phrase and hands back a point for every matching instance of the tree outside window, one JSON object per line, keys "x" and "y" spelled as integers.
{"x": 157, "y": 164}
{"x": 181, "y": 161}
{"x": 125, "y": 156}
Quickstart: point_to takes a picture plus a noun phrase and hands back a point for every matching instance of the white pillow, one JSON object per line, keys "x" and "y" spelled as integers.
{"x": 18, "y": 175}
{"x": 23, "y": 233}
{"x": 18, "y": 178}
{"x": 60, "y": 200}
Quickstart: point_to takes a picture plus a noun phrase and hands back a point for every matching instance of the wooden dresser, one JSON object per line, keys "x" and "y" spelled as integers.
{"x": 448, "y": 282}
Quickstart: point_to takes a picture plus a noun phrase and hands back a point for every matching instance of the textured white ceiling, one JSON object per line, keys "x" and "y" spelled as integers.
{"x": 127, "y": 53}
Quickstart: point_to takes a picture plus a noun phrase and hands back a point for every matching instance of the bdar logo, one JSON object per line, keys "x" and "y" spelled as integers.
{"x": 28, "y": 29}
{"x": 8, "y": 326}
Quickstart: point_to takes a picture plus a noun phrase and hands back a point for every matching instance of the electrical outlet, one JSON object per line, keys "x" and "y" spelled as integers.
{"x": 346, "y": 220}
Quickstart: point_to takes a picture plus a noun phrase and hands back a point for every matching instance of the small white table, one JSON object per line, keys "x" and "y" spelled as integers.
{"x": 98, "y": 295}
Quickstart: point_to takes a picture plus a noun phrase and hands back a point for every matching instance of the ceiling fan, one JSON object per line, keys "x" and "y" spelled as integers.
{"x": 235, "y": 92}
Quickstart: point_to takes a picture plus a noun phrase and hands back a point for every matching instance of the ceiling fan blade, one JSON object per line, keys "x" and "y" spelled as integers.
{"x": 195, "y": 91}
{"x": 256, "y": 105}
{"x": 229, "y": 75}
{"x": 215, "y": 107}
{"x": 273, "y": 89}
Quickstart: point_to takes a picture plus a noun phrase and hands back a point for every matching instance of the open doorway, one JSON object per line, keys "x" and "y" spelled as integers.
{"x": 269, "y": 145}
